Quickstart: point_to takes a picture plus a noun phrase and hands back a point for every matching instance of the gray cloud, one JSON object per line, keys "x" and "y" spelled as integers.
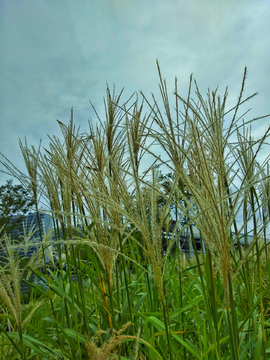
{"x": 61, "y": 54}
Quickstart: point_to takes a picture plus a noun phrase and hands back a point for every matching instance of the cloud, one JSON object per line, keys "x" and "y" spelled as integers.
{"x": 61, "y": 54}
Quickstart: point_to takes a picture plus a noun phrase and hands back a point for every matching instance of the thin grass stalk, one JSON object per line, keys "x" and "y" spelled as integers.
{"x": 149, "y": 291}
{"x": 264, "y": 234}
{"x": 70, "y": 281}
{"x": 117, "y": 271}
{"x": 232, "y": 320}
{"x": 69, "y": 324}
{"x": 181, "y": 186}
{"x": 255, "y": 233}
{"x": 110, "y": 287}
{"x": 214, "y": 332}
{"x": 126, "y": 284}
{"x": 80, "y": 283}
{"x": 166, "y": 320}
{"x": 215, "y": 308}
{"x": 262, "y": 315}
{"x": 252, "y": 190}
{"x": 167, "y": 329}
{"x": 265, "y": 195}
{"x": 182, "y": 319}
{"x": 246, "y": 273}
{"x": 104, "y": 293}
{"x": 93, "y": 293}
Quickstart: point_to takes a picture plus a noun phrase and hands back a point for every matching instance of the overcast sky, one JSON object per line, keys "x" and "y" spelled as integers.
{"x": 59, "y": 54}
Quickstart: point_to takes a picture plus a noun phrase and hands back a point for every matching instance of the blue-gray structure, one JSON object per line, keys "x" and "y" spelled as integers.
{"x": 27, "y": 228}
{"x": 28, "y": 224}
{"x": 186, "y": 244}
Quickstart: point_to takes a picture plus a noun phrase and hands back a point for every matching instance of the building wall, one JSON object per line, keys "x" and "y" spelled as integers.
{"x": 29, "y": 223}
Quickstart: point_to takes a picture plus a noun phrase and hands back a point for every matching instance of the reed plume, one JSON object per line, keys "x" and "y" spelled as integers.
{"x": 105, "y": 351}
{"x": 12, "y": 272}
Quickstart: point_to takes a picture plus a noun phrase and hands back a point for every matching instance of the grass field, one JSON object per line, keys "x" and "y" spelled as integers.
{"x": 119, "y": 286}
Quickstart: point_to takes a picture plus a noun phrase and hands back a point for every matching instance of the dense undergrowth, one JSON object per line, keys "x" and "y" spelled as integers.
{"x": 119, "y": 285}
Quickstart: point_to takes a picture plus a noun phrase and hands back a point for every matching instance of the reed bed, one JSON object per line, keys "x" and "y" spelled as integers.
{"x": 120, "y": 285}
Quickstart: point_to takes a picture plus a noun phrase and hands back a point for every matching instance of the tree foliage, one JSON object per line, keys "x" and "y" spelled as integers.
{"x": 15, "y": 200}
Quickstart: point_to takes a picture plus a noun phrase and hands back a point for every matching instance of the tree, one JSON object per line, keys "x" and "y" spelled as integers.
{"x": 15, "y": 200}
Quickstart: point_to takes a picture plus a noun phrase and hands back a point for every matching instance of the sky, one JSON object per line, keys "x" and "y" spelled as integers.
{"x": 60, "y": 54}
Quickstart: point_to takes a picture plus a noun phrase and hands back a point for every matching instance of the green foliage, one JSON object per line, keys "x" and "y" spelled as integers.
{"x": 15, "y": 200}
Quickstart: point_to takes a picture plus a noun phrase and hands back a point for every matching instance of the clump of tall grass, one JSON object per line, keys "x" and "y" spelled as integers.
{"x": 121, "y": 232}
